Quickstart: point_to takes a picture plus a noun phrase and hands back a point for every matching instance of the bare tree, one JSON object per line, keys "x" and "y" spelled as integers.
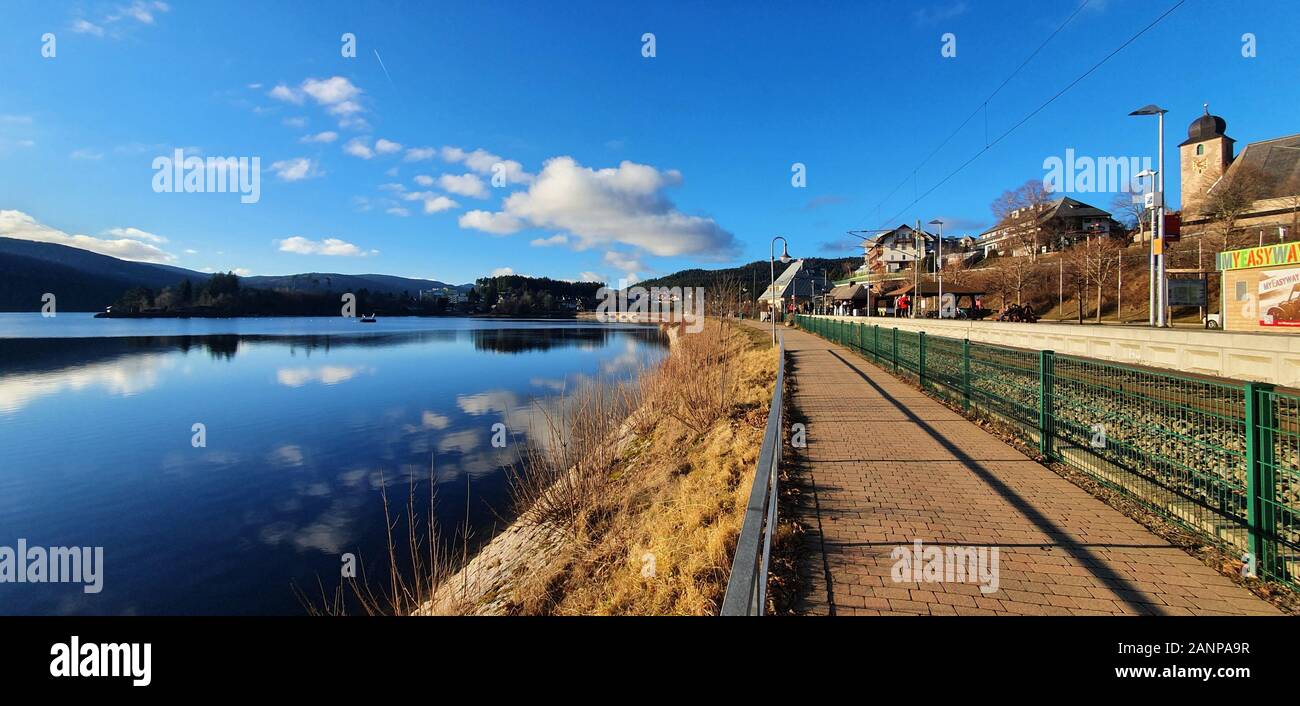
{"x": 1127, "y": 211}
{"x": 1017, "y": 211}
{"x": 1227, "y": 201}
{"x": 956, "y": 271}
{"x": 1102, "y": 261}
{"x": 1076, "y": 273}
{"x": 1013, "y": 275}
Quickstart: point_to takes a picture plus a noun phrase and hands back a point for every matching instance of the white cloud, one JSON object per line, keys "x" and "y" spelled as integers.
{"x": 488, "y": 222}
{"x": 140, "y": 10}
{"x": 354, "y": 122}
{"x": 464, "y": 185}
{"x": 433, "y": 420}
{"x": 615, "y": 205}
{"x": 243, "y": 271}
{"x": 284, "y": 93}
{"x": 191, "y": 251}
{"x": 16, "y": 224}
{"x": 336, "y": 94}
{"x": 424, "y": 180}
{"x": 503, "y": 271}
{"x": 557, "y": 239}
{"x": 296, "y": 169}
{"x": 590, "y": 276}
{"x": 87, "y": 154}
{"x": 383, "y": 146}
{"x": 419, "y": 154}
{"x": 329, "y": 246}
{"x": 398, "y": 211}
{"x": 622, "y": 261}
{"x": 357, "y": 147}
{"x": 134, "y": 234}
{"x": 81, "y": 26}
{"x": 433, "y": 203}
{"x": 296, "y": 121}
{"x": 330, "y": 91}
{"x": 326, "y": 137}
{"x": 485, "y": 162}
{"x": 325, "y": 375}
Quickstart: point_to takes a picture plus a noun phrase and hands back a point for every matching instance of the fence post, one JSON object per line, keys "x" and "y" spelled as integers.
{"x": 965, "y": 375}
{"x": 862, "y": 335}
{"x": 895, "y": 349}
{"x": 875, "y": 343}
{"x": 920, "y": 359}
{"x": 1261, "y": 483}
{"x": 1046, "y": 420}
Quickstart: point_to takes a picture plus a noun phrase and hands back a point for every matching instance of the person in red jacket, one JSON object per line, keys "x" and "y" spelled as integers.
{"x": 900, "y": 309}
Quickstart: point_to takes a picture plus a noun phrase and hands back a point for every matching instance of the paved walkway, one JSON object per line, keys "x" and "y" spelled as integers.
{"x": 885, "y": 465}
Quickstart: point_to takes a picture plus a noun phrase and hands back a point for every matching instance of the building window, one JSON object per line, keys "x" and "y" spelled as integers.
{"x": 1200, "y": 150}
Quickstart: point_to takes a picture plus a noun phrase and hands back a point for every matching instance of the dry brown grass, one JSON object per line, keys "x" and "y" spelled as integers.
{"x": 664, "y": 485}
{"x": 418, "y": 566}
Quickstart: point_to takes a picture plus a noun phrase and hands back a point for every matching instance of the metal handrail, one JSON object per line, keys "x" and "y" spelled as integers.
{"x": 747, "y": 586}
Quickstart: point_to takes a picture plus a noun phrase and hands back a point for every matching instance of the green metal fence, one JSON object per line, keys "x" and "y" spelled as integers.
{"x": 1220, "y": 458}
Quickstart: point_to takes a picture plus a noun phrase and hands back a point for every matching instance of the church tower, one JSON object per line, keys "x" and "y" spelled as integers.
{"x": 1203, "y": 158}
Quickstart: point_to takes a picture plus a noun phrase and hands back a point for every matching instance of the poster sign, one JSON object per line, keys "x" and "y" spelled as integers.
{"x": 1279, "y": 298}
{"x": 1186, "y": 292}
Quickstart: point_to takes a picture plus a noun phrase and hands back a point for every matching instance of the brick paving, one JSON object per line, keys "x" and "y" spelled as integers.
{"x": 886, "y": 465}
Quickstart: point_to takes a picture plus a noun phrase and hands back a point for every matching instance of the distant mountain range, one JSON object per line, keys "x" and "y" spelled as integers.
{"x": 87, "y": 281}
{"x": 756, "y": 274}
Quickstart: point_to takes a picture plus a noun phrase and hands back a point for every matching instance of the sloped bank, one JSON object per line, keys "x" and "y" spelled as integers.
{"x": 645, "y": 519}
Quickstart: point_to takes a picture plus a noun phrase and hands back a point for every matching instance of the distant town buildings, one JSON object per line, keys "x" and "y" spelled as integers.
{"x": 896, "y": 250}
{"x": 451, "y": 294}
{"x": 794, "y": 286}
{"x": 1054, "y": 225}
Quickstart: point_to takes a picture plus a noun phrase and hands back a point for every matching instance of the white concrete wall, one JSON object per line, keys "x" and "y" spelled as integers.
{"x": 1265, "y": 357}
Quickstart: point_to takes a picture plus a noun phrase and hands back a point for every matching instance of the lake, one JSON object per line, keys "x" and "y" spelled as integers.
{"x": 302, "y": 417}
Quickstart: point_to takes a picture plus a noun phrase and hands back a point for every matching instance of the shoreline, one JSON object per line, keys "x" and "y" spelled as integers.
{"x": 681, "y": 506}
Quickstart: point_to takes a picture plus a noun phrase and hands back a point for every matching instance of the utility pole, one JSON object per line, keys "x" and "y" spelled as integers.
{"x": 1060, "y": 285}
{"x": 916, "y": 268}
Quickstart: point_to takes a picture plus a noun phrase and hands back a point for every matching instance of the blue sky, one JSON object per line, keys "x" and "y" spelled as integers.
{"x": 615, "y": 163}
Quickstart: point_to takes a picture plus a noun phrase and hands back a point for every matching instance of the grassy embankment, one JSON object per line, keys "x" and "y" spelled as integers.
{"x": 631, "y": 497}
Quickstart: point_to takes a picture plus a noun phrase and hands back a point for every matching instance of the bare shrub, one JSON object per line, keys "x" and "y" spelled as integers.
{"x": 566, "y": 469}
{"x": 415, "y": 572}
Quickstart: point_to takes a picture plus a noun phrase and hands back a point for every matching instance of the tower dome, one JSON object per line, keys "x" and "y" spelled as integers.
{"x": 1205, "y": 127}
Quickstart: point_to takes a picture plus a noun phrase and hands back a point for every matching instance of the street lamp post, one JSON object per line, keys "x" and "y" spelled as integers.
{"x": 785, "y": 259}
{"x": 1151, "y": 252}
{"x": 1158, "y": 240}
{"x": 938, "y": 264}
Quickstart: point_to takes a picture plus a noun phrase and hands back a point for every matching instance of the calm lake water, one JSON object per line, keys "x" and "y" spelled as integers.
{"x": 302, "y": 417}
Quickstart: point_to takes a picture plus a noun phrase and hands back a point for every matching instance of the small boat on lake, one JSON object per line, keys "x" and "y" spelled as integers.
{"x": 368, "y": 319}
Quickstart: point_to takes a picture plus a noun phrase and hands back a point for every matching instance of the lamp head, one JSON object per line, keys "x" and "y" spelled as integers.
{"x": 785, "y": 254}
{"x": 1149, "y": 109}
